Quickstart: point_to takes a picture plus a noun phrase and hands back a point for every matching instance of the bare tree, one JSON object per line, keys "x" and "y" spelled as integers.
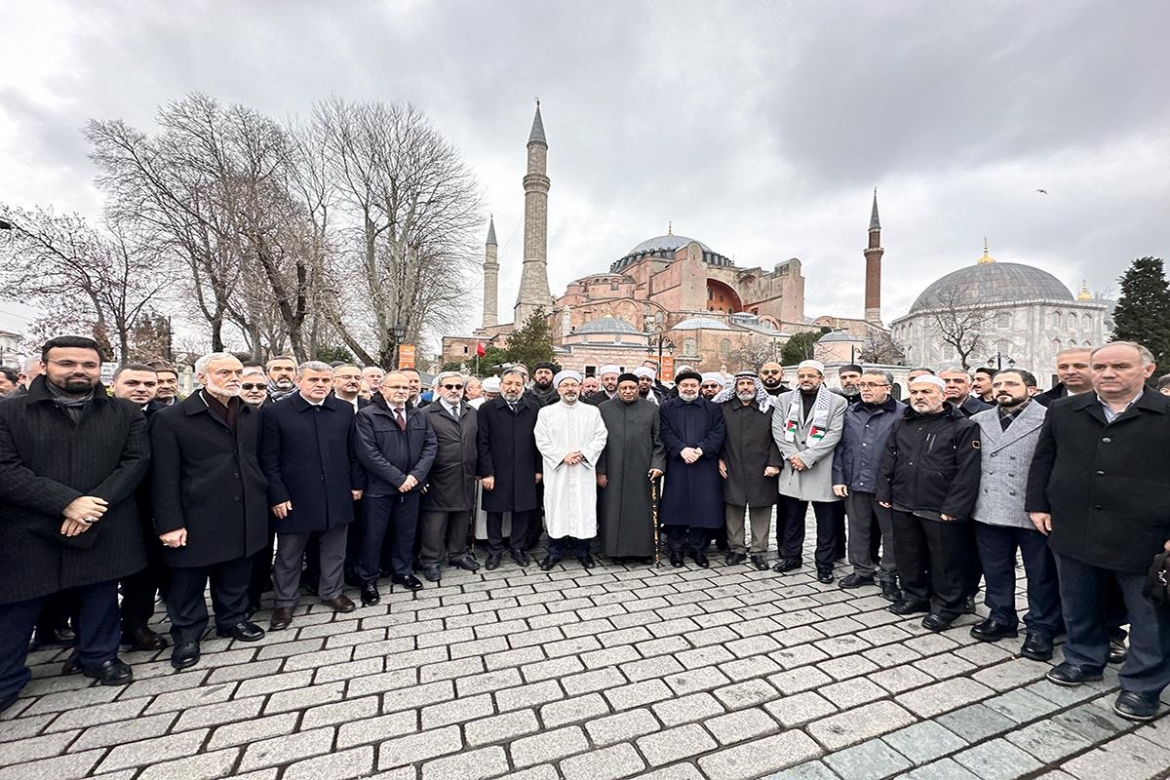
{"x": 879, "y": 346}
{"x": 754, "y": 353}
{"x": 959, "y": 323}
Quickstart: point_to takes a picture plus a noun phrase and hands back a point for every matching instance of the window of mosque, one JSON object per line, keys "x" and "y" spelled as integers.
{"x": 725, "y": 347}
{"x": 690, "y": 347}
{"x": 1087, "y": 321}
{"x": 1003, "y": 320}
{"x": 1055, "y": 346}
{"x": 1056, "y": 318}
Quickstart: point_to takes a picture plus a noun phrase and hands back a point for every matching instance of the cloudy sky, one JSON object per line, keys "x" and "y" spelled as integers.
{"x": 759, "y": 128}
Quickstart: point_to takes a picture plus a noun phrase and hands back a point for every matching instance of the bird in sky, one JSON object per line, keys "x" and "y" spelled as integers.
{"x": 1042, "y": 192}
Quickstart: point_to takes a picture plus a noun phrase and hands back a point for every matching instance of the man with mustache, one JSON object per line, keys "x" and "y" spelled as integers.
{"x": 210, "y": 506}
{"x": 772, "y": 375}
{"x": 282, "y": 371}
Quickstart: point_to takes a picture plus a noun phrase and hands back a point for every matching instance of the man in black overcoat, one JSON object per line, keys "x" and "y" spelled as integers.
{"x": 510, "y": 466}
{"x": 210, "y": 508}
{"x": 70, "y": 459}
{"x": 313, "y": 480}
{"x": 1099, "y": 487}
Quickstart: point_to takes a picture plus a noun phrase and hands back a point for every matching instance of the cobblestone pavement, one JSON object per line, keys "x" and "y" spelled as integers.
{"x": 724, "y": 673}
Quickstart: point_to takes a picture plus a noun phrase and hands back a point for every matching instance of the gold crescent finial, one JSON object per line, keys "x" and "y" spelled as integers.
{"x": 669, "y": 228}
{"x": 987, "y": 258}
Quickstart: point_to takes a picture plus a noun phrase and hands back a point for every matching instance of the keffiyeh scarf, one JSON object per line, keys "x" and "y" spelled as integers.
{"x": 762, "y": 399}
{"x": 820, "y": 417}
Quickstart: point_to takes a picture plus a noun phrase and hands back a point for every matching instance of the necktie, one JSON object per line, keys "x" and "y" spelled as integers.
{"x": 455, "y": 412}
{"x": 398, "y": 418}
{"x": 512, "y": 406}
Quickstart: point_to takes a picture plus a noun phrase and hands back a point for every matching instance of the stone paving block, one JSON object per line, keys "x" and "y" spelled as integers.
{"x": 704, "y": 656}
{"x": 36, "y": 748}
{"x": 205, "y": 766}
{"x": 801, "y": 679}
{"x": 800, "y": 708}
{"x": 998, "y": 760}
{"x": 120, "y": 733}
{"x": 248, "y": 731}
{"x": 419, "y": 747}
{"x": 1012, "y": 674}
{"x": 457, "y": 711}
{"x": 945, "y": 666}
{"x": 1095, "y": 724}
{"x": 283, "y": 750}
{"x": 975, "y": 723}
{"x": 924, "y": 742}
{"x": 694, "y": 680}
{"x": 488, "y": 682}
{"x": 870, "y": 760}
{"x": 1021, "y": 706}
{"x": 1129, "y": 757}
{"x": 551, "y": 669}
{"x": 769, "y": 754}
{"x": 341, "y": 712}
{"x": 943, "y": 696}
{"x": 71, "y": 700}
{"x": 638, "y": 694}
{"x": 248, "y": 671}
{"x": 675, "y": 744}
{"x": 613, "y": 656}
{"x": 271, "y": 683}
{"x": 947, "y": 769}
{"x": 501, "y": 728}
{"x": 12, "y": 730}
{"x": 1062, "y": 694}
{"x": 548, "y": 746}
{"x": 66, "y": 767}
{"x": 809, "y": 770}
{"x": 657, "y": 647}
{"x": 686, "y": 709}
{"x": 750, "y": 693}
{"x": 579, "y": 708}
{"x": 471, "y": 765}
{"x": 622, "y": 727}
{"x": 528, "y": 696}
{"x": 611, "y": 763}
{"x": 857, "y": 725}
{"x": 150, "y": 751}
{"x": 650, "y": 668}
{"x": 747, "y": 668}
{"x": 411, "y": 698}
{"x": 449, "y": 670}
{"x": 304, "y": 698}
{"x": 1049, "y": 742}
{"x": 739, "y": 726}
{"x": 374, "y": 730}
{"x": 797, "y": 655}
{"x": 596, "y": 680}
{"x": 676, "y": 772}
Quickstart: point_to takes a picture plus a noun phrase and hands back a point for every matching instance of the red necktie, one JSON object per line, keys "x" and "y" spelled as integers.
{"x": 400, "y": 419}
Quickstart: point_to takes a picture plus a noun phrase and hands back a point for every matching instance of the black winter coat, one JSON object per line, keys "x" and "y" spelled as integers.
{"x": 932, "y": 462}
{"x": 1107, "y": 486}
{"x": 389, "y": 454}
{"x": 47, "y": 461}
{"x": 507, "y": 451}
{"x": 748, "y": 447}
{"x": 306, "y": 454}
{"x": 207, "y": 478}
{"x": 451, "y": 483}
{"x": 863, "y": 443}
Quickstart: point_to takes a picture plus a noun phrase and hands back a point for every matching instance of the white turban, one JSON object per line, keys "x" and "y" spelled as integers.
{"x": 568, "y": 373}
{"x": 642, "y": 371}
{"x": 929, "y": 379}
{"x": 712, "y": 376}
{"x": 491, "y": 384}
{"x": 610, "y": 369}
{"x": 814, "y": 364}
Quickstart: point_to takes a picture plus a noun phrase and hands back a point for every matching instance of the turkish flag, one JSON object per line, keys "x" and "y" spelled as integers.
{"x": 479, "y": 350}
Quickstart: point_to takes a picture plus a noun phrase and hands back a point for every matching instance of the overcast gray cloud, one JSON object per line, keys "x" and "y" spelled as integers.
{"x": 759, "y": 128}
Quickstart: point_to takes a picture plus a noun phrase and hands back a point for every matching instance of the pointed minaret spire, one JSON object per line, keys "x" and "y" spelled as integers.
{"x": 874, "y": 222}
{"x": 491, "y": 278}
{"x": 534, "y": 290}
{"x": 537, "y": 134}
{"x": 873, "y": 267}
{"x": 491, "y": 239}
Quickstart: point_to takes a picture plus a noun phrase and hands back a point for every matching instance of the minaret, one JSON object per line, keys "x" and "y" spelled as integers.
{"x": 534, "y": 273}
{"x": 873, "y": 267}
{"x": 491, "y": 277}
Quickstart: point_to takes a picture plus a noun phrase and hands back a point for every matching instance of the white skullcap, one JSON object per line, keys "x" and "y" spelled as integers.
{"x": 814, "y": 364}
{"x": 929, "y": 379}
{"x": 610, "y": 369}
{"x": 491, "y": 384}
{"x": 568, "y": 373}
{"x": 642, "y": 371}
{"x": 712, "y": 376}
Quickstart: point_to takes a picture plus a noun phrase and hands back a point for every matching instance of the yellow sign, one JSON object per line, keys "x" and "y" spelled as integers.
{"x": 406, "y": 355}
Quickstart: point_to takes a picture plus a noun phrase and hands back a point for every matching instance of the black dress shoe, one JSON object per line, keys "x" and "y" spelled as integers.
{"x": 676, "y": 560}
{"x": 548, "y": 563}
{"x": 185, "y": 654}
{"x": 969, "y": 606}
{"x": 909, "y": 606}
{"x": 1037, "y": 646}
{"x": 991, "y": 630}
{"x": 142, "y": 638}
{"x": 854, "y": 580}
{"x": 72, "y": 665}
{"x": 370, "y": 595}
{"x": 62, "y": 636}
{"x": 936, "y": 622}
{"x": 1071, "y": 675}
{"x": 734, "y": 559}
{"x": 759, "y": 562}
{"x": 282, "y": 618}
{"x": 433, "y": 573}
{"x": 587, "y": 561}
{"x": 245, "y": 631}
{"x": 701, "y": 560}
{"x": 1132, "y": 705}
{"x": 825, "y": 576}
{"x": 467, "y": 563}
{"x": 786, "y": 564}
{"x": 111, "y": 672}
{"x": 493, "y": 562}
{"x": 1118, "y": 651}
{"x": 520, "y": 557}
{"x": 891, "y": 591}
{"x": 408, "y": 581}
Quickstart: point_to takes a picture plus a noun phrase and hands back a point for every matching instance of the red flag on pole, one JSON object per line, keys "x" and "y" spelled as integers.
{"x": 479, "y": 350}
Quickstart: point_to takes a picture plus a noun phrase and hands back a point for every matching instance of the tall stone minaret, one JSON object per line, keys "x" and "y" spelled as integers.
{"x": 491, "y": 277}
{"x": 873, "y": 268}
{"x": 534, "y": 274}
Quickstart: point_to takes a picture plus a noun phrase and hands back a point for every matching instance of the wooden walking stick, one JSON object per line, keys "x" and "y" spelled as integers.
{"x": 654, "y": 519}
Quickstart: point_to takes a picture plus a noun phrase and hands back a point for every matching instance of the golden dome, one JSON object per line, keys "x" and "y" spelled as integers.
{"x": 1084, "y": 294}
{"x": 986, "y": 259}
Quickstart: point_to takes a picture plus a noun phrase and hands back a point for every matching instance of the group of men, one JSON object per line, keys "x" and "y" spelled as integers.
{"x": 285, "y": 475}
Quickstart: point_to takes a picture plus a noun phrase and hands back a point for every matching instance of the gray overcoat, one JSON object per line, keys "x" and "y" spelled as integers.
{"x": 1006, "y": 458}
{"x": 816, "y": 482}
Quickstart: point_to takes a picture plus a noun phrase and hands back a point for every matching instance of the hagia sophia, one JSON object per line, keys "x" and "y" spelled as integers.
{"x": 679, "y": 298}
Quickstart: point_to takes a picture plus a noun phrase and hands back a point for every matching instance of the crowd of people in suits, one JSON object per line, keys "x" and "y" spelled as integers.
{"x": 316, "y": 478}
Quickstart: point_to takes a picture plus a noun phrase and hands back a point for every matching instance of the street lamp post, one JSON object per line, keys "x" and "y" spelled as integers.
{"x": 999, "y": 359}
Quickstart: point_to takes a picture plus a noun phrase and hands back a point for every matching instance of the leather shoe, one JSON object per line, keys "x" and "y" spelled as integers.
{"x": 909, "y": 606}
{"x": 1118, "y": 650}
{"x": 493, "y": 562}
{"x": 701, "y": 560}
{"x": 854, "y": 580}
{"x": 934, "y": 622}
{"x": 433, "y": 573}
{"x": 245, "y": 631}
{"x": 185, "y": 654}
{"x": 676, "y": 560}
{"x": 408, "y": 581}
{"x": 1132, "y": 705}
{"x": 548, "y": 563}
{"x": 759, "y": 562}
{"x": 1037, "y": 646}
{"x": 281, "y": 619}
{"x": 587, "y": 561}
{"x": 734, "y": 559}
{"x": 825, "y": 576}
{"x": 62, "y": 636}
{"x": 467, "y": 563}
{"x": 969, "y": 606}
{"x": 521, "y": 558}
{"x": 1071, "y": 675}
{"x": 786, "y": 564}
{"x": 111, "y": 672}
{"x": 370, "y": 595}
{"x": 991, "y": 630}
{"x": 341, "y": 603}
{"x": 72, "y": 665}
{"x": 142, "y": 638}
{"x": 891, "y": 591}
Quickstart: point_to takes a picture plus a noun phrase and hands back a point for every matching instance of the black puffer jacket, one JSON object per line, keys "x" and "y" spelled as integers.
{"x": 932, "y": 462}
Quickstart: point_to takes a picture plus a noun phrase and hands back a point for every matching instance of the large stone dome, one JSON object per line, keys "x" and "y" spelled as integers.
{"x": 664, "y": 247}
{"x": 992, "y": 283}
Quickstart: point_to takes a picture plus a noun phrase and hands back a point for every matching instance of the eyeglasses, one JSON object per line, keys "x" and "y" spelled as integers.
{"x": 452, "y": 387}
{"x": 250, "y": 386}
{"x": 771, "y": 372}
{"x": 871, "y": 385}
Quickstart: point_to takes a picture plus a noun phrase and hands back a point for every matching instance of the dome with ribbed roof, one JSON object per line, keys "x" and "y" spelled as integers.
{"x": 607, "y": 325}
{"x": 664, "y": 248}
{"x": 702, "y": 323}
{"x": 992, "y": 283}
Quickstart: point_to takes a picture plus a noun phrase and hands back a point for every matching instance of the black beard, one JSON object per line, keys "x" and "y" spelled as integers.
{"x": 771, "y": 382}
{"x": 76, "y": 385}
{"x": 643, "y": 391}
{"x": 543, "y": 385}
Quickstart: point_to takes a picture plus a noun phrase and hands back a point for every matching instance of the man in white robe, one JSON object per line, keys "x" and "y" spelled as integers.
{"x": 570, "y": 436}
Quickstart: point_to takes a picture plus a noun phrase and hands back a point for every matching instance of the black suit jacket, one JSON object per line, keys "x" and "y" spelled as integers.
{"x": 389, "y": 454}
{"x": 507, "y": 451}
{"x": 1106, "y": 485}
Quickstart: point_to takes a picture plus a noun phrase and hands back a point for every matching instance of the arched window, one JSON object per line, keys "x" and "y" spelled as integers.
{"x": 1055, "y": 319}
{"x": 690, "y": 347}
{"x": 1055, "y": 346}
{"x": 725, "y": 347}
{"x": 1087, "y": 321}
